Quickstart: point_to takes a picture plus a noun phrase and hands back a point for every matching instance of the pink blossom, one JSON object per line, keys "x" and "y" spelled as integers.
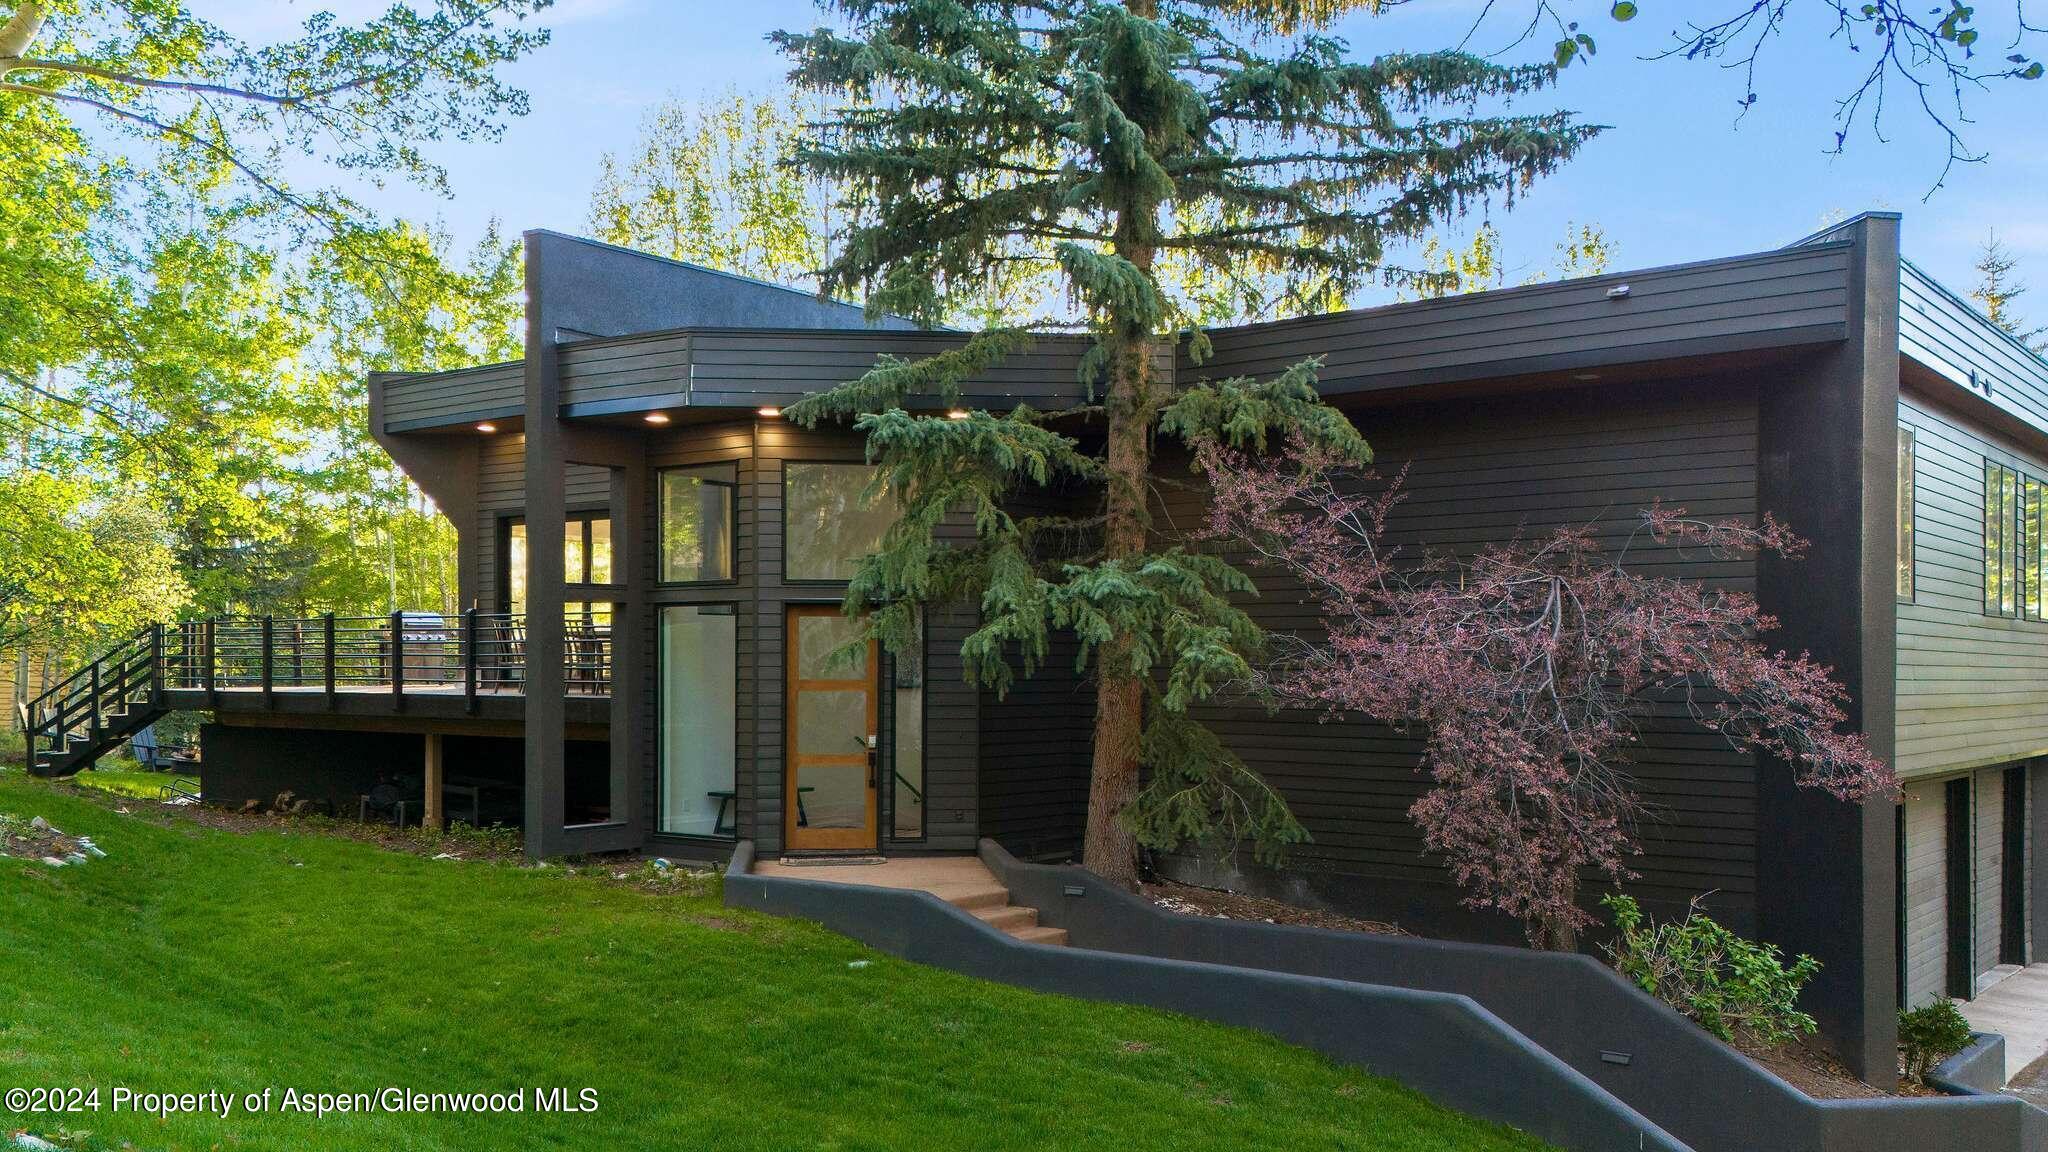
{"x": 1526, "y": 668}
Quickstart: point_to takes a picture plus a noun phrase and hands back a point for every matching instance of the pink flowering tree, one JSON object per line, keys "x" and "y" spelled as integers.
{"x": 1526, "y": 669}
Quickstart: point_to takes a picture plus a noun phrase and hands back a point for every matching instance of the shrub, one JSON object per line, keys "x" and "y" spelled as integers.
{"x": 1728, "y": 985}
{"x": 1931, "y": 1034}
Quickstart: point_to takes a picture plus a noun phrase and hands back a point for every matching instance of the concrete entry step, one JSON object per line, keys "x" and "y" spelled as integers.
{"x": 962, "y": 881}
{"x": 1040, "y": 934}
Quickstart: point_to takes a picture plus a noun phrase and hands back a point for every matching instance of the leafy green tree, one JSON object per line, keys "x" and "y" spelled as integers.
{"x": 707, "y": 182}
{"x": 1480, "y": 266}
{"x": 1100, "y": 138}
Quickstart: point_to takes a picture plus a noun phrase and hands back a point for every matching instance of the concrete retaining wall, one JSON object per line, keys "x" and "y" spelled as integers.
{"x": 1445, "y": 1046}
{"x": 1572, "y": 1006}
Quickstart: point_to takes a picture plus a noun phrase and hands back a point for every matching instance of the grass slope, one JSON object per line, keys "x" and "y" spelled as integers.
{"x": 195, "y": 959}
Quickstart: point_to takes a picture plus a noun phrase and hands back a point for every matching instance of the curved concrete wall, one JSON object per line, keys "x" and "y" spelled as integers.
{"x": 1572, "y": 1006}
{"x": 1445, "y": 1046}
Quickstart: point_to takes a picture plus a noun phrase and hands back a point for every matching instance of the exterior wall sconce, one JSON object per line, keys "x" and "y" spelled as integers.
{"x": 657, "y": 418}
{"x": 768, "y": 412}
{"x": 957, "y": 414}
{"x": 487, "y": 427}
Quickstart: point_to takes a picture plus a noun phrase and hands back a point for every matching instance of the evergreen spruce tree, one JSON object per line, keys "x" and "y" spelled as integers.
{"x": 1101, "y": 140}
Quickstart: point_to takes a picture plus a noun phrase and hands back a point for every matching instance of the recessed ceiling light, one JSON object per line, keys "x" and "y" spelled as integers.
{"x": 487, "y": 426}
{"x": 957, "y": 414}
{"x": 657, "y": 417}
{"x": 1585, "y": 375}
{"x": 770, "y": 412}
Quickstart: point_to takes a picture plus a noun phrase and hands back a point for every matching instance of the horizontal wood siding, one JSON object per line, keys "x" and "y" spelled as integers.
{"x": 459, "y": 397}
{"x": 1789, "y": 297}
{"x": 1988, "y": 792}
{"x": 1972, "y": 688}
{"x": 602, "y": 370}
{"x": 1942, "y": 331}
{"x": 1479, "y": 474}
{"x": 1037, "y": 741}
{"x": 1926, "y": 893}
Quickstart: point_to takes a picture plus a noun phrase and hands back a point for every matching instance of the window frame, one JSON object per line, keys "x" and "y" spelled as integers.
{"x": 2014, "y": 514}
{"x": 735, "y": 610}
{"x": 582, "y": 516}
{"x": 798, "y": 581}
{"x": 732, "y": 511}
{"x": 924, "y": 735}
{"x": 1906, "y": 587}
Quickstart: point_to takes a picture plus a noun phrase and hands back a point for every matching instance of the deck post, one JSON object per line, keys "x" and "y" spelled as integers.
{"x": 269, "y": 661}
{"x": 93, "y": 701}
{"x": 469, "y": 661}
{"x": 206, "y": 662}
{"x": 433, "y": 816}
{"x": 327, "y": 626}
{"x": 398, "y": 661}
{"x": 156, "y": 665}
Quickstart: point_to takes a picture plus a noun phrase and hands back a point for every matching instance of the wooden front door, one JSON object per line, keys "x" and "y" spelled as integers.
{"x": 831, "y": 716}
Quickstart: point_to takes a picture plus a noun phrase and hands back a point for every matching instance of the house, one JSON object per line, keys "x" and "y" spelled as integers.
{"x": 654, "y": 559}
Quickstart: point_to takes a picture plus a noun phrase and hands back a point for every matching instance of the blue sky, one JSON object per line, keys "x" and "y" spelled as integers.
{"x": 1677, "y": 178}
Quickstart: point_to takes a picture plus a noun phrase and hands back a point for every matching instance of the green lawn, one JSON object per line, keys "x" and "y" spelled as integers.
{"x": 127, "y": 778}
{"x": 194, "y": 959}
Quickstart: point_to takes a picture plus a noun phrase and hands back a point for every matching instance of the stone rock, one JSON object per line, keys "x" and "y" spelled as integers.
{"x": 94, "y": 850}
{"x": 41, "y": 825}
{"x": 74, "y": 857}
{"x": 53, "y": 862}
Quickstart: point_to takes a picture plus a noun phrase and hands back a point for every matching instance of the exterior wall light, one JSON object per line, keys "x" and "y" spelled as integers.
{"x": 957, "y": 414}
{"x": 769, "y": 412}
{"x": 657, "y": 417}
{"x": 487, "y": 427}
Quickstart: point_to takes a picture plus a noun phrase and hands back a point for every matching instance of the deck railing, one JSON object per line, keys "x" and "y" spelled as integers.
{"x": 403, "y": 654}
{"x": 472, "y": 653}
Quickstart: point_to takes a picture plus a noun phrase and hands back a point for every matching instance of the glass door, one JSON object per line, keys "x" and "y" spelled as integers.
{"x": 830, "y": 714}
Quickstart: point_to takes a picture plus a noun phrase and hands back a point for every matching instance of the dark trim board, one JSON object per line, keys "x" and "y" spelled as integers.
{"x": 1962, "y": 889}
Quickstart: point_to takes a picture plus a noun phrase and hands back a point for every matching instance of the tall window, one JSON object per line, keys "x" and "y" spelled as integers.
{"x": 2015, "y": 544}
{"x": 586, "y": 555}
{"x": 696, "y": 523}
{"x": 699, "y": 719}
{"x": 829, "y": 521}
{"x": 1907, "y": 449}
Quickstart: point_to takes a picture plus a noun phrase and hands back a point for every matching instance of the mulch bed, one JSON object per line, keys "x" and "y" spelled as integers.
{"x": 1193, "y": 901}
{"x": 1815, "y": 1073}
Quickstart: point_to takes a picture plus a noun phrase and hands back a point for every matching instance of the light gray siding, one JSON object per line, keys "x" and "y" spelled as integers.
{"x": 1940, "y": 330}
{"x": 1988, "y": 854}
{"x": 1972, "y": 688}
{"x": 1926, "y": 894}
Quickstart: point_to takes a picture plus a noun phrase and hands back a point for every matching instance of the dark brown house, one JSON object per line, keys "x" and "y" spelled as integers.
{"x": 654, "y": 559}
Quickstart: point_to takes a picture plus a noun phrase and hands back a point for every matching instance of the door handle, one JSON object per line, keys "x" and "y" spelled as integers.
{"x": 874, "y": 762}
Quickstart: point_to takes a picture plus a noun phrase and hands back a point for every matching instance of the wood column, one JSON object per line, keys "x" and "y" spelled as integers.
{"x": 434, "y": 817}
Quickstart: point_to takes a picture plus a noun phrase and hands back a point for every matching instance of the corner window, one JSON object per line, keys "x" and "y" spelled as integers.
{"x": 2015, "y": 550}
{"x": 696, "y": 524}
{"x": 1907, "y": 449}
{"x": 586, "y": 554}
{"x": 829, "y": 521}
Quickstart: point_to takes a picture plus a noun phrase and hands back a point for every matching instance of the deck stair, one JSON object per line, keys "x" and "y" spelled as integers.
{"x": 102, "y": 704}
{"x": 962, "y": 881}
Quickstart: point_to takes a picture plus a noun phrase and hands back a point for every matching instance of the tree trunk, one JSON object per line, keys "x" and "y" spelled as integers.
{"x": 1110, "y": 850}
